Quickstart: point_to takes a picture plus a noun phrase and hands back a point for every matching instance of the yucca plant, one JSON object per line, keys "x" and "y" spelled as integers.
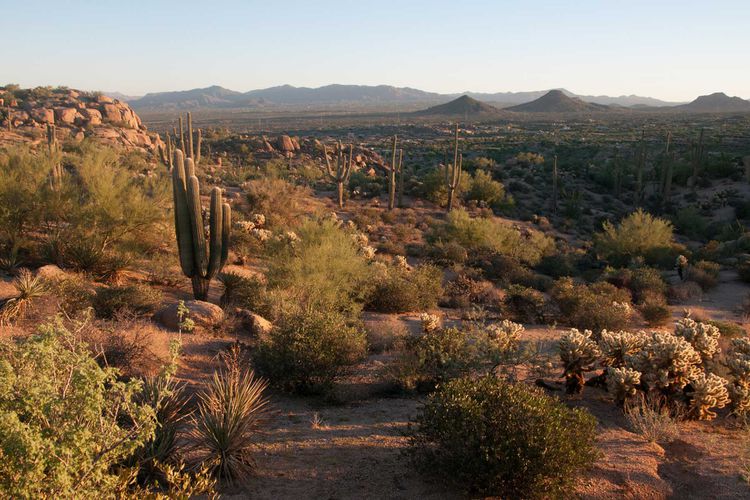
{"x": 28, "y": 287}
{"x": 167, "y": 398}
{"x": 230, "y": 411}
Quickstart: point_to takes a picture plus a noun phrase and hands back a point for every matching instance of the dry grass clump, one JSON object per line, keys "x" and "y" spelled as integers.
{"x": 384, "y": 335}
{"x": 653, "y": 417}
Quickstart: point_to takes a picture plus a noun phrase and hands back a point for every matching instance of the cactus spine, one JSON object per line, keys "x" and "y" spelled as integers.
{"x": 343, "y": 169}
{"x": 200, "y": 260}
{"x": 554, "y": 185}
{"x": 453, "y": 173}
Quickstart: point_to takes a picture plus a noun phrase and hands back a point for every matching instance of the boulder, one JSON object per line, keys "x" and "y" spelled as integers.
{"x": 255, "y": 324}
{"x": 65, "y": 115}
{"x": 43, "y": 115}
{"x": 92, "y": 116}
{"x": 285, "y": 144}
{"x": 51, "y": 272}
{"x": 103, "y": 99}
{"x": 111, "y": 113}
{"x": 203, "y": 314}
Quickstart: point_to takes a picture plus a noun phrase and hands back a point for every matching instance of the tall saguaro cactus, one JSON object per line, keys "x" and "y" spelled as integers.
{"x": 342, "y": 171}
{"x": 191, "y": 148}
{"x": 53, "y": 148}
{"x": 400, "y": 178}
{"x": 393, "y": 169}
{"x": 641, "y": 160}
{"x": 698, "y": 152}
{"x": 200, "y": 260}
{"x": 668, "y": 171}
{"x": 166, "y": 152}
{"x": 554, "y": 185}
{"x": 453, "y": 173}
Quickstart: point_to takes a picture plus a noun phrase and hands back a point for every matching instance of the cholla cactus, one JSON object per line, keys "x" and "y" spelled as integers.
{"x": 622, "y": 309}
{"x": 262, "y": 235}
{"x": 666, "y": 361}
{"x": 430, "y": 322}
{"x": 245, "y": 226}
{"x": 504, "y": 336}
{"x": 400, "y": 262}
{"x": 258, "y": 219}
{"x": 622, "y": 383}
{"x": 709, "y": 391}
{"x": 703, "y": 337}
{"x": 578, "y": 353}
{"x": 615, "y": 346}
{"x": 738, "y": 362}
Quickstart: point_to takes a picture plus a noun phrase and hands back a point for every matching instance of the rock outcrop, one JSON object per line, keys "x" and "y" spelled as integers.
{"x": 24, "y": 114}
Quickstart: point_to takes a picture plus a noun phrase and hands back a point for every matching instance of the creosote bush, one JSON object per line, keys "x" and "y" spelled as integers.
{"x": 399, "y": 289}
{"x": 599, "y": 306}
{"x": 137, "y": 299}
{"x": 640, "y": 234}
{"x": 491, "y": 437}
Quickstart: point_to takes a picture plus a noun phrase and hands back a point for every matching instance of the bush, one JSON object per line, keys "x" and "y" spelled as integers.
{"x": 137, "y": 299}
{"x": 397, "y": 289}
{"x": 655, "y": 310}
{"x": 435, "y": 190}
{"x": 447, "y": 254}
{"x": 705, "y": 273}
{"x": 58, "y": 412}
{"x": 485, "y": 189}
{"x": 496, "y": 438}
{"x": 525, "y": 304}
{"x": 246, "y": 292}
{"x": 307, "y": 349}
{"x": 477, "y": 234}
{"x": 283, "y": 203}
{"x": 743, "y": 269}
{"x": 600, "y": 306}
{"x": 637, "y": 235}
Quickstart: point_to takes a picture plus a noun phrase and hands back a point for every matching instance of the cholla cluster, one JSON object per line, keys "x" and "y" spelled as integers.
{"x": 622, "y": 309}
{"x": 400, "y": 262}
{"x": 258, "y": 219}
{"x": 579, "y": 353}
{"x": 709, "y": 391}
{"x": 738, "y": 362}
{"x": 505, "y": 335}
{"x": 622, "y": 382}
{"x": 262, "y": 235}
{"x": 703, "y": 337}
{"x": 247, "y": 226}
{"x": 430, "y": 322}
{"x": 363, "y": 245}
{"x": 666, "y": 361}
{"x": 616, "y": 346}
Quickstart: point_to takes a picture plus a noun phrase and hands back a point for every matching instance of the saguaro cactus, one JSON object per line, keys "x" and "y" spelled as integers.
{"x": 200, "y": 260}
{"x": 342, "y": 171}
{"x": 698, "y": 152}
{"x": 53, "y": 148}
{"x": 668, "y": 171}
{"x": 191, "y": 148}
{"x": 393, "y": 169}
{"x": 641, "y": 160}
{"x": 400, "y": 178}
{"x": 453, "y": 172}
{"x": 166, "y": 153}
{"x": 554, "y": 185}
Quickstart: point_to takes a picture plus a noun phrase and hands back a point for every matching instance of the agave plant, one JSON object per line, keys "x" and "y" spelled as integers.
{"x": 28, "y": 287}
{"x": 230, "y": 411}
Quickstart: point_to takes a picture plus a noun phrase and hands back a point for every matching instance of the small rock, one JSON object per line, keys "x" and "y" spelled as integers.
{"x": 257, "y": 325}
{"x": 203, "y": 314}
{"x": 51, "y": 272}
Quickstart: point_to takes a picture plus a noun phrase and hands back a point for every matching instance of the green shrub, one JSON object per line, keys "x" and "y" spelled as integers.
{"x": 485, "y": 189}
{"x": 478, "y": 234}
{"x": 641, "y": 281}
{"x": 65, "y": 422}
{"x": 743, "y": 269}
{"x": 599, "y": 306}
{"x": 525, "y": 304}
{"x": 655, "y": 310}
{"x": 495, "y": 438}
{"x": 447, "y": 254}
{"x": 283, "y": 203}
{"x": 434, "y": 189}
{"x": 691, "y": 223}
{"x": 397, "y": 289}
{"x": 307, "y": 349}
{"x": 246, "y": 292}
{"x": 138, "y": 299}
{"x": 636, "y": 235}
{"x": 705, "y": 273}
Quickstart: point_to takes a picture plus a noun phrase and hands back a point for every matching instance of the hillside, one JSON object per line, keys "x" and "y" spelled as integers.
{"x": 718, "y": 102}
{"x": 76, "y": 115}
{"x": 211, "y": 97}
{"x": 463, "y": 106}
{"x": 556, "y": 101}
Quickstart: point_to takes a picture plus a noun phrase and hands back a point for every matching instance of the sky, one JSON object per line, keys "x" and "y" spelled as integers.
{"x": 668, "y": 49}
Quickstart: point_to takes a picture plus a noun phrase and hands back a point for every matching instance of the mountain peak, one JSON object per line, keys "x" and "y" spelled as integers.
{"x": 557, "y": 101}
{"x": 717, "y": 102}
{"x": 461, "y": 106}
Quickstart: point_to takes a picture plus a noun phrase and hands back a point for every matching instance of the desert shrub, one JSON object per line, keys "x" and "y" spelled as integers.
{"x": 463, "y": 291}
{"x": 23, "y": 180}
{"x": 231, "y": 409}
{"x": 485, "y": 189}
{"x": 284, "y": 204}
{"x": 385, "y": 335}
{"x": 641, "y": 281}
{"x": 653, "y": 417}
{"x": 247, "y": 292}
{"x": 705, "y": 273}
{"x": 397, "y": 289}
{"x": 743, "y": 269}
{"x": 322, "y": 266}
{"x": 691, "y": 223}
{"x": 28, "y": 287}
{"x": 74, "y": 294}
{"x": 447, "y": 253}
{"x": 595, "y": 307}
{"x": 137, "y": 299}
{"x": 434, "y": 189}
{"x": 683, "y": 292}
{"x": 442, "y": 354}
{"x": 525, "y": 304}
{"x": 558, "y": 265}
{"x": 308, "y": 348}
{"x": 655, "y": 310}
{"x": 495, "y": 438}
{"x": 478, "y": 234}
{"x": 636, "y": 235}
{"x": 65, "y": 422}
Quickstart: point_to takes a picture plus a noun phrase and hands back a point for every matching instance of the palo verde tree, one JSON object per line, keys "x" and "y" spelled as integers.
{"x": 201, "y": 261}
{"x": 342, "y": 171}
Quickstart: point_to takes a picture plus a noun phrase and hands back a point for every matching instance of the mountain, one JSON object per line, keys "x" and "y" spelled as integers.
{"x": 336, "y": 94}
{"x": 718, "y": 102}
{"x": 122, "y": 97}
{"x": 210, "y": 97}
{"x": 463, "y": 106}
{"x": 556, "y": 101}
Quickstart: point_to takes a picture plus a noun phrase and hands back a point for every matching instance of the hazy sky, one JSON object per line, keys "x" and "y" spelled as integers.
{"x": 668, "y": 49}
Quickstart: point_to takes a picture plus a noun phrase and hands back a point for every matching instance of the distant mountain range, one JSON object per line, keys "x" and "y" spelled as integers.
{"x": 365, "y": 96}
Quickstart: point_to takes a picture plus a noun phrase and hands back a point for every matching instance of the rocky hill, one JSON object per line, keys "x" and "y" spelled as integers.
{"x": 461, "y": 107}
{"x": 556, "y": 101}
{"x": 718, "y": 102}
{"x": 25, "y": 114}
